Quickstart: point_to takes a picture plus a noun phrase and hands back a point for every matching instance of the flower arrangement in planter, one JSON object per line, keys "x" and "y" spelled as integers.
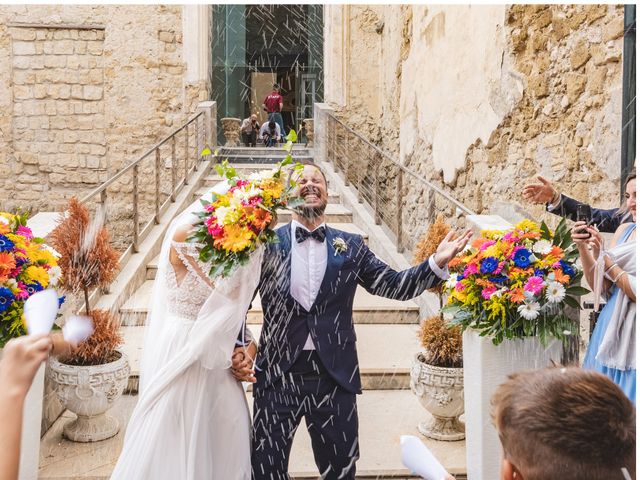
{"x": 27, "y": 266}
{"x": 516, "y": 284}
{"x": 93, "y": 376}
{"x": 436, "y": 373}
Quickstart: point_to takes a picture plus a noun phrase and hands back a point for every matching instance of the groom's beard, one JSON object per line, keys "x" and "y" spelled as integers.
{"x": 311, "y": 213}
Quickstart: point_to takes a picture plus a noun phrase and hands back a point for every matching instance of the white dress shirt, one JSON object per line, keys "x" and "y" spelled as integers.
{"x": 308, "y": 266}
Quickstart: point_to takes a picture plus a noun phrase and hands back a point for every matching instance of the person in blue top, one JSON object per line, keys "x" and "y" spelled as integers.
{"x": 612, "y": 273}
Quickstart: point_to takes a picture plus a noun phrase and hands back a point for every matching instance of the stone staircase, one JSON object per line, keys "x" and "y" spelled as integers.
{"x": 386, "y": 331}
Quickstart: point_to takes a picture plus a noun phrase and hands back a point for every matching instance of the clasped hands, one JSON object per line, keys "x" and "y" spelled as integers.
{"x": 242, "y": 362}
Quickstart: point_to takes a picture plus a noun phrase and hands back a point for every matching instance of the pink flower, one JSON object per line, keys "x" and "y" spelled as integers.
{"x": 215, "y": 230}
{"x": 209, "y": 208}
{"x": 242, "y": 183}
{"x": 25, "y": 232}
{"x": 499, "y": 269}
{"x": 486, "y": 245}
{"x": 487, "y": 292}
{"x": 470, "y": 269}
{"x": 22, "y": 294}
{"x": 459, "y": 286}
{"x": 534, "y": 285}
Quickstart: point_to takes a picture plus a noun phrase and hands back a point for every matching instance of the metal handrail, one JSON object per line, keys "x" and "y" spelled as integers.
{"x": 119, "y": 174}
{"x": 461, "y": 206}
{"x": 158, "y": 206}
{"x": 373, "y": 185}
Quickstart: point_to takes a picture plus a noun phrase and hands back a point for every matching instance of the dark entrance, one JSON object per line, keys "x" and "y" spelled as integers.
{"x": 255, "y": 46}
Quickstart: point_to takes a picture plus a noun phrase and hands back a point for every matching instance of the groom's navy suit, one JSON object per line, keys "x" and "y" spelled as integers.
{"x": 320, "y": 385}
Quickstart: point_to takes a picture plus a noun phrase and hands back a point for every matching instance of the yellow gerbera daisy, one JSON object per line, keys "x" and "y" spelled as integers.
{"x": 236, "y": 238}
{"x": 36, "y": 274}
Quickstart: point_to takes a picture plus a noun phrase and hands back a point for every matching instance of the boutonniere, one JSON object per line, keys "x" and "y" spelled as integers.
{"x": 339, "y": 246}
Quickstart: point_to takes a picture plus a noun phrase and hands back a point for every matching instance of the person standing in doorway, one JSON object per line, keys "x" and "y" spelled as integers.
{"x": 273, "y": 106}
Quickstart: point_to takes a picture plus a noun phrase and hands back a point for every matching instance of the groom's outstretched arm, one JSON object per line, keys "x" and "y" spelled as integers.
{"x": 380, "y": 279}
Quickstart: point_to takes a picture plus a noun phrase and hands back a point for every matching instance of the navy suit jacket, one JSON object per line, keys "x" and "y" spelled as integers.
{"x": 286, "y": 324}
{"x": 606, "y": 220}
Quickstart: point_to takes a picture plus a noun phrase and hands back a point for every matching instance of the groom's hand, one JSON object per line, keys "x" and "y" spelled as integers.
{"x": 450, "y": 246}
{"x": 242, "y": 364}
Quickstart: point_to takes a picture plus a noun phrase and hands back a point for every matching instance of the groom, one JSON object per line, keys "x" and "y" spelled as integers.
{"x": 307, "y": 365}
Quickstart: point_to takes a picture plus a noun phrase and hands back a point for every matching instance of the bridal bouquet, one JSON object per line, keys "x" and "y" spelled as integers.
{"x": 516, "y": 283}
{"x": 27, "y": 266}
{"x": 238, "y": 216}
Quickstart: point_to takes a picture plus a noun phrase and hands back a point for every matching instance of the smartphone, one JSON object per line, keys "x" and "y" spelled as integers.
{"x": 583, "y": 214}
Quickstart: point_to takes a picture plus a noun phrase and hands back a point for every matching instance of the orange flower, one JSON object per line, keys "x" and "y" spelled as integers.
{"x": 478, "y": 242}
{"x": 561, "y": 277}
{"x": 556, "y": 252}
{"x": 484, "y": 283}
{"x": 7, "y": 263}
{"x": 262, "y": 218}
{"x": 4, "y": 228}
{"x": 454, "y": 262}
{"x": 517, "y": 295}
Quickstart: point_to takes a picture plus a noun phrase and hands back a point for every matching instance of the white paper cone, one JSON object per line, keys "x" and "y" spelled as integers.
{"x": 77, "y": 329}
{"x": 40, "y": 311}
{"x": 419, "y": 459}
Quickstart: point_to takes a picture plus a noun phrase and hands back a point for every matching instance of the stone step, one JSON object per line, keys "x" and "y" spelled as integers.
{"x": 367, "y": 309}
{"x": 269, "y": 157}
{"x": 385, "y": 353}
{"x": 384, "y": 415}
{"x": 298, "y": 150}
{"x": 212, "y": 180}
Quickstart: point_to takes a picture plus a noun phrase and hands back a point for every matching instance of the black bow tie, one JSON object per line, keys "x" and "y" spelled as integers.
{"x": 302, "y": 234}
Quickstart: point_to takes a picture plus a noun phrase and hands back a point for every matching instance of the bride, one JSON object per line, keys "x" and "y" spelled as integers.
{"x": 192, "y": 419}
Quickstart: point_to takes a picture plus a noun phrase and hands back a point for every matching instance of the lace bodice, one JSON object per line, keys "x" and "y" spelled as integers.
{"x": 187, "y": 297}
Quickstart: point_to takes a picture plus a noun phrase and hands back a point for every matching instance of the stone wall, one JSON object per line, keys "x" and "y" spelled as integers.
{"x": 86, "y": 90}
{"x": 478, "y": 99}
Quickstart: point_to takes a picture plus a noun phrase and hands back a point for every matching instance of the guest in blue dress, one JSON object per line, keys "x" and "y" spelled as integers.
{"x": 612, "y": 273}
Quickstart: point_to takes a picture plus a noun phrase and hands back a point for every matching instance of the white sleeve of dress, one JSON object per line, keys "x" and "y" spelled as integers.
{"x": 190, "y": 257}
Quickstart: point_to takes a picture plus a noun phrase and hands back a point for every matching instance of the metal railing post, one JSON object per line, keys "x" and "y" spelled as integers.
{"x": 376, "y": 196}
{"x": 186, "y": 154}
{"x": 136, "y": 213}
{"x": 399, "y": 212}
{"x": 346, "y": 158}
{"x": 173, "y": 168}
{"x": 157, "y": 214}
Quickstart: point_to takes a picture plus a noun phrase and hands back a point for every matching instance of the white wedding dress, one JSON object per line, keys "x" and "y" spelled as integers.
{"x": 192, "y": 419}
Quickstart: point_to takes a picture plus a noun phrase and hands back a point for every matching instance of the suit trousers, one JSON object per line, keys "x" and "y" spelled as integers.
{"x": 330, "y": 412}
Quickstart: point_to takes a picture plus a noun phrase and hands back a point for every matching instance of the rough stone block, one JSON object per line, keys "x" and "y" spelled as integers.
{"x": 575, "y": 85}
{"x": 21, "y": 62}
{"x": 73, "y": 62}
{"x": 55, "y": 61}
{"x": 39, "y": 48}
{"x": 614, "y": 29}
{"x": 93, "y": 161}
{"x": 95, "y": 76}
{"x": 50, "y": 108}
{"x": 27, "y": 158}
{"x": 597, "y": 81}
{"x": 40, "y": 91}
{"x": 81, "y": 47}
{"x": 92, "y": 92}
{"x": 87, "y": 34}
{"x": 538, "y": 86}
{"x": 41, "y": 34}
{"x": 596, "y": 12}
{"x": 95, "y": 47}
{"x": 24, "y": 48}
{"x": 22, "y": 92}
{"x": 579, "y": 55}
{"x": 77, "y": 92}
{"x": 63, "y": 47}
{"x": 166, "y": 36}
{"x": 64, "y": 91}
{"x": 23, "y": 34}
{"x": 60, "y": 34}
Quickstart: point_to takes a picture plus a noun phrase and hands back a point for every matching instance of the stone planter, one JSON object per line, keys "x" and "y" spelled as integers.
{"x": 308, "y": 126}
{"x": 485, "y": 367}
{"x": 231, "y": 129}
{"x": 440, "y": 391}
{"x": 89, "y": 391}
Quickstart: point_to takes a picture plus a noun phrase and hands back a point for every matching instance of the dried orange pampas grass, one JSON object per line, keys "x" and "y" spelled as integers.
{"x": 429, "y": 242}
{"x": 87, "y": 259}
{"x": 442, "y": 344}
{"x": 100, "y": 347}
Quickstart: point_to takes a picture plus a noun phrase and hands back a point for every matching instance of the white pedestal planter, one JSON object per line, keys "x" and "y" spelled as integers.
{"x": 440, "y": 391}
{"x": 485, "y": 367}
{"x": 89, "y": 392}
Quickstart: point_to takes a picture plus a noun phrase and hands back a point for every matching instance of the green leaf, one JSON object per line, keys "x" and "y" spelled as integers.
{"x": 205, "y": 151}
{"x": 572, "y": 302}
{"x": 577, "y": 290}
{"x": 292, "y": 136}
{"x": 288, "y": 160}
{"x": 546, "y": 233}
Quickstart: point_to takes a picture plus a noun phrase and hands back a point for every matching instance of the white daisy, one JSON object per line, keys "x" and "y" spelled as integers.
{"x": 4, "y": 220}
{"x": 11, "y": 283}
{"x": 221, "y": 214}
{"x": 54, "y": 275}
{"x": 542, "y": 246}
{"x": 529, "y": 311}
{"x": 452, "y": 281}
{"x": 555, "y": 292}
